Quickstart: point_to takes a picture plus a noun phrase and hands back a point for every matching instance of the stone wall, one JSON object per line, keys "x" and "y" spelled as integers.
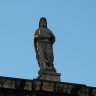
{"x": 24, "y": 87}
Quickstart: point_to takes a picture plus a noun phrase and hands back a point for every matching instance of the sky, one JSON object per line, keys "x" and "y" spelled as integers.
{"x": 73, "y": 23}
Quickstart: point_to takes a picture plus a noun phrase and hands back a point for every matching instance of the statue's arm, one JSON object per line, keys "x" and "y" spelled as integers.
{"x": 52, "y": 38}
{"x": 35, "y": 43}
{"x": 35, "y": 40}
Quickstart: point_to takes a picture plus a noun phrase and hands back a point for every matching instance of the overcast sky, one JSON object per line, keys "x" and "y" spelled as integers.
{"x": 73, "y": 22}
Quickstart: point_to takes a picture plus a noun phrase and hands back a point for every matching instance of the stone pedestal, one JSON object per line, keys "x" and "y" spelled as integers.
{"x": 49, "y": 74}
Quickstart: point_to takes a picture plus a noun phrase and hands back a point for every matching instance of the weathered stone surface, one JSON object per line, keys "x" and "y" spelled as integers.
{"x": 49, "y": 74}
{"x": 43, "y": 43}
{"x": 24, "y": 87}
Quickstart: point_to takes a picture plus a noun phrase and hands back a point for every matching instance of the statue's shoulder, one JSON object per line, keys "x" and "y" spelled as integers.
{"x": 37, "y": 31}
{"x": 50, "y": 31}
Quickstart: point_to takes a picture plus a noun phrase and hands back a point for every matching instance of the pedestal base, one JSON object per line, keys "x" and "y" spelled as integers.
{"x": 49, "y": 74}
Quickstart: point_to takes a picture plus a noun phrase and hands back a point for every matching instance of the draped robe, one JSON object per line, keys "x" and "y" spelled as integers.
{"x": 43, "y": 43}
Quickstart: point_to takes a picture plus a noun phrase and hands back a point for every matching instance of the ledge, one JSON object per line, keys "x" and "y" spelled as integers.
{"x": 36, "y": 85}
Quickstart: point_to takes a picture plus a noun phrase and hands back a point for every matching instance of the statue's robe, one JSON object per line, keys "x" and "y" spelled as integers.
{"x": 43, "y": 41}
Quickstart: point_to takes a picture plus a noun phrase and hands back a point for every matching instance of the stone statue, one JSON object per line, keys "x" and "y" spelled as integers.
{"x": 43, "y": 43}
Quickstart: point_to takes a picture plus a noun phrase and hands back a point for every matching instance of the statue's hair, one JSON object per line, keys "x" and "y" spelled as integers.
{"x": 44, "y": 19}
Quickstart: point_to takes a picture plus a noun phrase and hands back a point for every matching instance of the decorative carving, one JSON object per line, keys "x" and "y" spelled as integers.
{"x": 43, "y": 43}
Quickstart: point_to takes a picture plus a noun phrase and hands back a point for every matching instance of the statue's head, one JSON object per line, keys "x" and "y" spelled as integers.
{"x": 43, "y": 22}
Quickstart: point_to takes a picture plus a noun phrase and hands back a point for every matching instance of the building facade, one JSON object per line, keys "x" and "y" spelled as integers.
{"x": 24, "y": 87}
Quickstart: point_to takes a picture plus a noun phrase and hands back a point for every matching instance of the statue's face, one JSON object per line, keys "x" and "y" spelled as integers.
{"x": 43, "y": 23}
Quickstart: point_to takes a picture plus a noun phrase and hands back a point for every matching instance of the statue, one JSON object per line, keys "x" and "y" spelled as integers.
{"x": 43, "y": 43}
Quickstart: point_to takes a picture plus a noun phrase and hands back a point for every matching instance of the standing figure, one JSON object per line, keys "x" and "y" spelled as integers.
{"x": 43, "y": 43}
